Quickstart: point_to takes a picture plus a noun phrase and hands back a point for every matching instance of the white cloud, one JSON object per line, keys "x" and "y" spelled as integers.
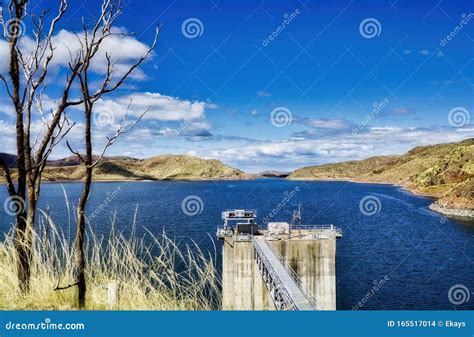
{"x": 187, "y": 118}
{"x": 263, "y": 93}
{"x": 291, "y": 154}
{"x": 124, "y": 50}
{"x": 161, "y": 107}
{"x": 319, "y": 127}
{"x": 38, "y": 128}
{"x": 198, "y": 128}
{"x": 326, "y": 123}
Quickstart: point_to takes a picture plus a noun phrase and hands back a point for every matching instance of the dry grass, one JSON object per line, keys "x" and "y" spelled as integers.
{"x": 153, "y": 273}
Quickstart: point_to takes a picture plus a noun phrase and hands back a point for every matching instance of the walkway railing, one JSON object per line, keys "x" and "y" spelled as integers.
{"x": 284, "y": 289}
{"x": 332, "y": 228}
{"x": 306, "y": 291}
{"x": 280, "y": 295}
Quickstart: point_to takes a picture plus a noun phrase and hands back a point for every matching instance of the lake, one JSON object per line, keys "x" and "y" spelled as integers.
{"x": 418, "y": 253}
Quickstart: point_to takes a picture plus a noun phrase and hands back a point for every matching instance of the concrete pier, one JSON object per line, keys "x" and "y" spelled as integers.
{"x": 314, "y": 261}
{"x": 310, "y": 253}
{"x": 242, "y": 285}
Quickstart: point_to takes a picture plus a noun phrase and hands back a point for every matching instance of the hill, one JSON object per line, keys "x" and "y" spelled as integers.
{"x": 75, "y": 161}
{"x": 445, "y": 171}
{"x": 166, "y": 167}
{"x": 271, "y": 174}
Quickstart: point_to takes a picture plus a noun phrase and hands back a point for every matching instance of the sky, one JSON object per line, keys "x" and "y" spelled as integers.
{"x": 273, "y": 85}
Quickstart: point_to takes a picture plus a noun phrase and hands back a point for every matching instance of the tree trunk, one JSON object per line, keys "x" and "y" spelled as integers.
{"x": 81, "y": 220}
{"x": 27, "y": 77}
{"x": 80, "y": 240}
{"x": 22, "y": 242}
{"x": 93, "y": 40}
{"x": 23, "y": 251}
{"x": 22, "y": 227}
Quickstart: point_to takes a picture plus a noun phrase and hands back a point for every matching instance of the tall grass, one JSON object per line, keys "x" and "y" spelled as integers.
{"x": 151, "y": 271}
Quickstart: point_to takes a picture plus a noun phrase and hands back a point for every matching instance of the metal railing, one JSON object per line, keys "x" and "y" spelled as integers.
{"x": 305, "y": 290}
{"x": 228, "y": 232}
{"x": 332, "y": 228}
{"x": 280, "y": 295}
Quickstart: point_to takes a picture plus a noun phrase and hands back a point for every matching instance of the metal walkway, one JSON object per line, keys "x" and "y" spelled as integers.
{"x": 283, "y": 284}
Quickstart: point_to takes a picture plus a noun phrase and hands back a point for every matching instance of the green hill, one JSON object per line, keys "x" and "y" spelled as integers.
{"x": 166, "y": 167}
{"x": 345, "y": 171}
{"x": 445, "y": 171}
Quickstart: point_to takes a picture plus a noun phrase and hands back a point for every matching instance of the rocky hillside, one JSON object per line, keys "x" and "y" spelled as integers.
{"x": 167, "y": 167}
{"x": 445, "y": 171}
{"x": 344, "y": 171}
{"x": 457, "y": 202}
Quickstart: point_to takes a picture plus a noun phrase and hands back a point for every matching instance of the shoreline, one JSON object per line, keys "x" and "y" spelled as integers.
{"x": 465, "y": 214}
{"x": 450, "y": 212}
{"x": 402, "y": 186}
{"x": 135, "y": 180}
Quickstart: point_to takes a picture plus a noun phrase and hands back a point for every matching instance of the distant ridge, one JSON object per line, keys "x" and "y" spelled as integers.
{"x": 74, "y": 160}
{"x": 166, "y": 167}
{"x": 272, "y": 174}
{"x": 445, "y": 171}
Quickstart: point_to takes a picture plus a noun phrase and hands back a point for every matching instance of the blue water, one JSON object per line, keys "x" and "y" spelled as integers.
{"x": 419, "y": 254}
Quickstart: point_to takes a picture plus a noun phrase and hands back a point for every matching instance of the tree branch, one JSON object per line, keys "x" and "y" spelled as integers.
{"x": 8, "y": 177}
{"x": 58, "y": 288}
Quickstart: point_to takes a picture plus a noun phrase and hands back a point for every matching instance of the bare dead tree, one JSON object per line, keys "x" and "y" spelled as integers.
{"x": 25, "y": 81}
{"x": 91, "y": 40}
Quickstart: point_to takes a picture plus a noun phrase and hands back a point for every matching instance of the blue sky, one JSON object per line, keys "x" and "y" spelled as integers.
{"x": 339, "y": 90}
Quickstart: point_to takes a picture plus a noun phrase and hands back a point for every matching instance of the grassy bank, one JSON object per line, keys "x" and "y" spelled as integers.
{"x": 152, "y": 273}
